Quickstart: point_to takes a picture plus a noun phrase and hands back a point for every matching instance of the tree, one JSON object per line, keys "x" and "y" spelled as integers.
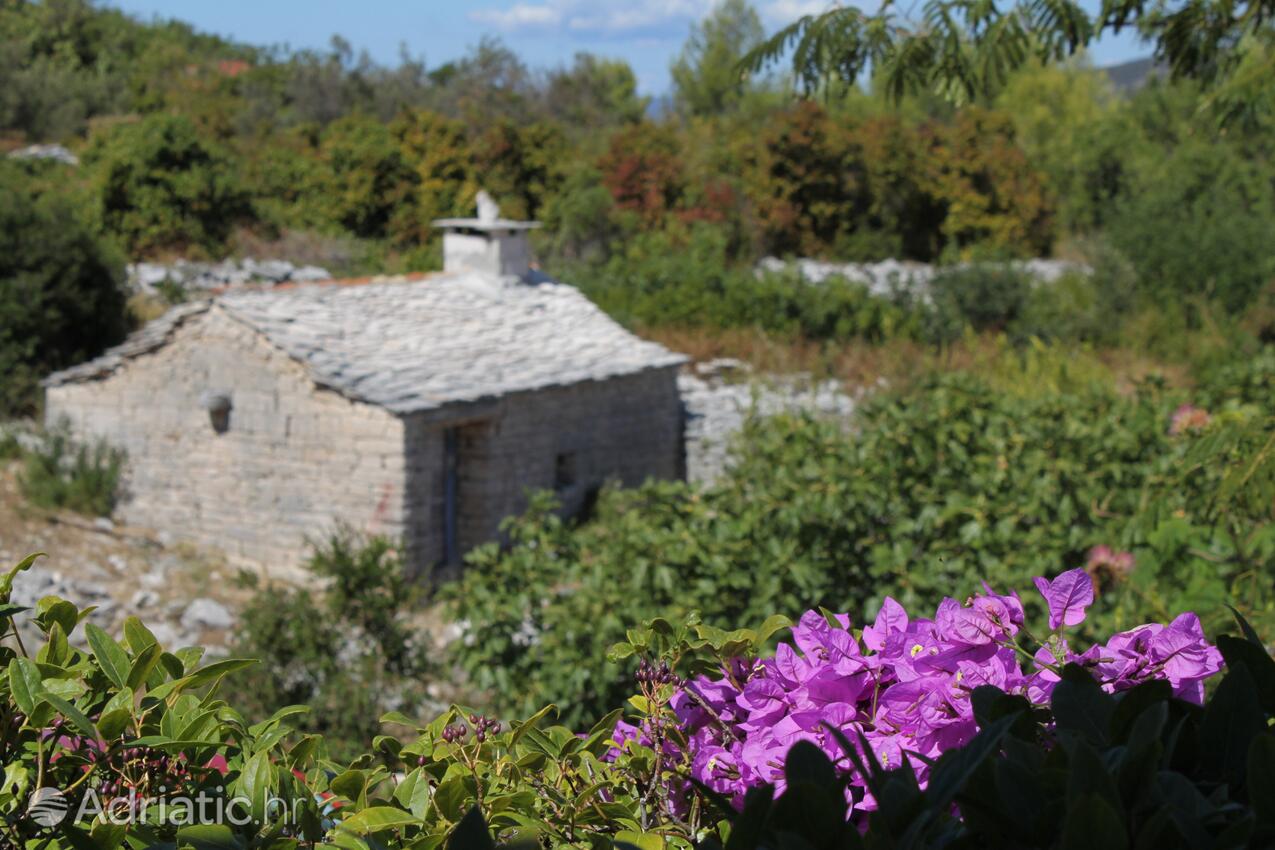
{"x": 806, "y": 181}
{"x": 594, "y": 92}
{"x": 162, "y": 186}
{"x": 644, "y": 172}
{"x": 61, "y": 287}
{"x": 964, "y": 49}
{"x": 437, "y": 149}
{"x": 368, "y": 187}
{"x": 1069, "y": 122}
{"x": 521, "y": 165}
{"x": 993, "y": 196}
{"x": 707, "y": 79}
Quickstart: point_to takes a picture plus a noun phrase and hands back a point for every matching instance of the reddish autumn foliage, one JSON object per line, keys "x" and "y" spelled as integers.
{"x": 643, "y": 171}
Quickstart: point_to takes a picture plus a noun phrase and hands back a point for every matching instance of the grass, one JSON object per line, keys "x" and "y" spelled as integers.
{"x": 61, "y": 474}
{"x": 10, "y": 448}
{"x": 898, "y": 362}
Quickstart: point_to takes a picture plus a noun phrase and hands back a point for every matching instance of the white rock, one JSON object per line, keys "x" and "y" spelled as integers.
{"x": 206, "y": 613}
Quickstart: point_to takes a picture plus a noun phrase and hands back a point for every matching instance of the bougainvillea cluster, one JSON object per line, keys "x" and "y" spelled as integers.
{"x": 905, "y": 684}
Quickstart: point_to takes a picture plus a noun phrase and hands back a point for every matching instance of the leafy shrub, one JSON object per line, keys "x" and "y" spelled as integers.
{"x": 61, "y": 287}
{"x": 162, "y": 185}
{"x": 348, "y": 648}
{"x": 61, "y": 473}
{"x": 948, "y": 483}
{"x": 128, "y": 726}
{"x": 1199, "y": 222}
{"x": 689, "y": 280}
{"x": 10, "y": 448}
{"x": 982, "y": 297}
{"x": 366, "y": 185}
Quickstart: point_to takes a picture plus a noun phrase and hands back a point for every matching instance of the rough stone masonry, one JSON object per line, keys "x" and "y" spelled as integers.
{"x": 422, "y": 408}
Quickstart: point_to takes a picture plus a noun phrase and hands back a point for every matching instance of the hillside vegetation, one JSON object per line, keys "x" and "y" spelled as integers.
{"x": 196, "y": 146}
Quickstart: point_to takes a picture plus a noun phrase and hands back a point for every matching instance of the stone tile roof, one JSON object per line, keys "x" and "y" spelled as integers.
{"x": 409, "y": 346}
{"x": 151, "y": 336}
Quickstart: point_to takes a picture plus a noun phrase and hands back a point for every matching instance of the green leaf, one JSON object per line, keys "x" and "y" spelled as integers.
{"x": 1092, "y": 824}
{"x": 1261, "y": 777}
{"x": 1081, "y": 706}
{"x": 1249, "y": 634}
{"x": 208, "y": 837}
{"x": 256, "y": 783}
{"x": 6, "y": 583}
{"x": 471, "y": 833}
{"x": 807, "y": 763}
{"x": 137, "y": 636}
{"x": 72, "y": 713}
{"x": 110, "y": 657}
{"x": 378, "y": 819}
{"x": 113, "y": 723}
{"x": 352, "y": 785}
{"x": 51, "y": 610}
{"x": 1232, "y": 719}
{"x": 204, "y": 676}
{"x": 24, "y": 683}
{"x": 639, "y": 840}
{"x": 530, "y": 723}
{"x": 143, "y": 665}
{"x": 1242, "y": 652}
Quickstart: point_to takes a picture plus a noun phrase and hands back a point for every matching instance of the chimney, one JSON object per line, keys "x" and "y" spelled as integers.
{"x": 488, "y": 243}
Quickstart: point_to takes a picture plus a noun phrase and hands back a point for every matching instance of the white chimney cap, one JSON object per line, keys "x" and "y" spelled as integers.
{"x": 488, "y": 218}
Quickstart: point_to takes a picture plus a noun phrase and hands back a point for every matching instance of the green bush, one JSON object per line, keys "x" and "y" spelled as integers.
{"x": 114, "y": 723}
{"x": 689, "y": 280}
{"x": 939, "y": 487}
{"x": 985, "y": 296}
{"x": 1199, "y": 221}
{"x": 162, "y": 184}
{"x": 347, "y": 647}
{"x": 61, "y": 473}
{"x": 61, "y": 287}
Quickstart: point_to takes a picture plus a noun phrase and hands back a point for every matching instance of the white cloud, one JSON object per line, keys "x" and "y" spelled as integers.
{"x": 598, "y": 17}
{"x": 520, "y": 16}
{"x": 628, "y": 18}
{"x": 787, "y": 11}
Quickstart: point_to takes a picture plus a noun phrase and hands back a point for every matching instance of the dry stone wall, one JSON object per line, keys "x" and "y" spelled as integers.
{"x": 292, "y": 460}
{"x": 571, "y": 439}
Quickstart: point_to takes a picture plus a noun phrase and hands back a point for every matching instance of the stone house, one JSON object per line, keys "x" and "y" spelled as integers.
{"x": 421, "y": 407}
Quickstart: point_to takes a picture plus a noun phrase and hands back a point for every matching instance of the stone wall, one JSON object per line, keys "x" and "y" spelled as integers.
{"x": 293, "y": 460}
{"x": 571, "y": 438}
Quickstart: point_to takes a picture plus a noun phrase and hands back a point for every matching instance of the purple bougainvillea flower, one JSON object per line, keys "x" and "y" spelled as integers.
{"x": 1067, "y": 596}
{"x": 892, "y": 618}
{"x": 905, "y": 686}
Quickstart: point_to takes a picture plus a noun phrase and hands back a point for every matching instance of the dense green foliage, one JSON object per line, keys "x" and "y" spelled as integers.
{"x": 161, "y": 185}
{"x": 959, "y": 478}
{"x": 61, "y": 299}
{"x": 62, "y": 473}
{"x": 193, "y": 144}
{"x": 344, "y": 649}
{"x": 140, "y": 736}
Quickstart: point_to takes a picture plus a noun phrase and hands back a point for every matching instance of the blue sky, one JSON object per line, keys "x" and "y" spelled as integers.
{"x": 546, "y": 33}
